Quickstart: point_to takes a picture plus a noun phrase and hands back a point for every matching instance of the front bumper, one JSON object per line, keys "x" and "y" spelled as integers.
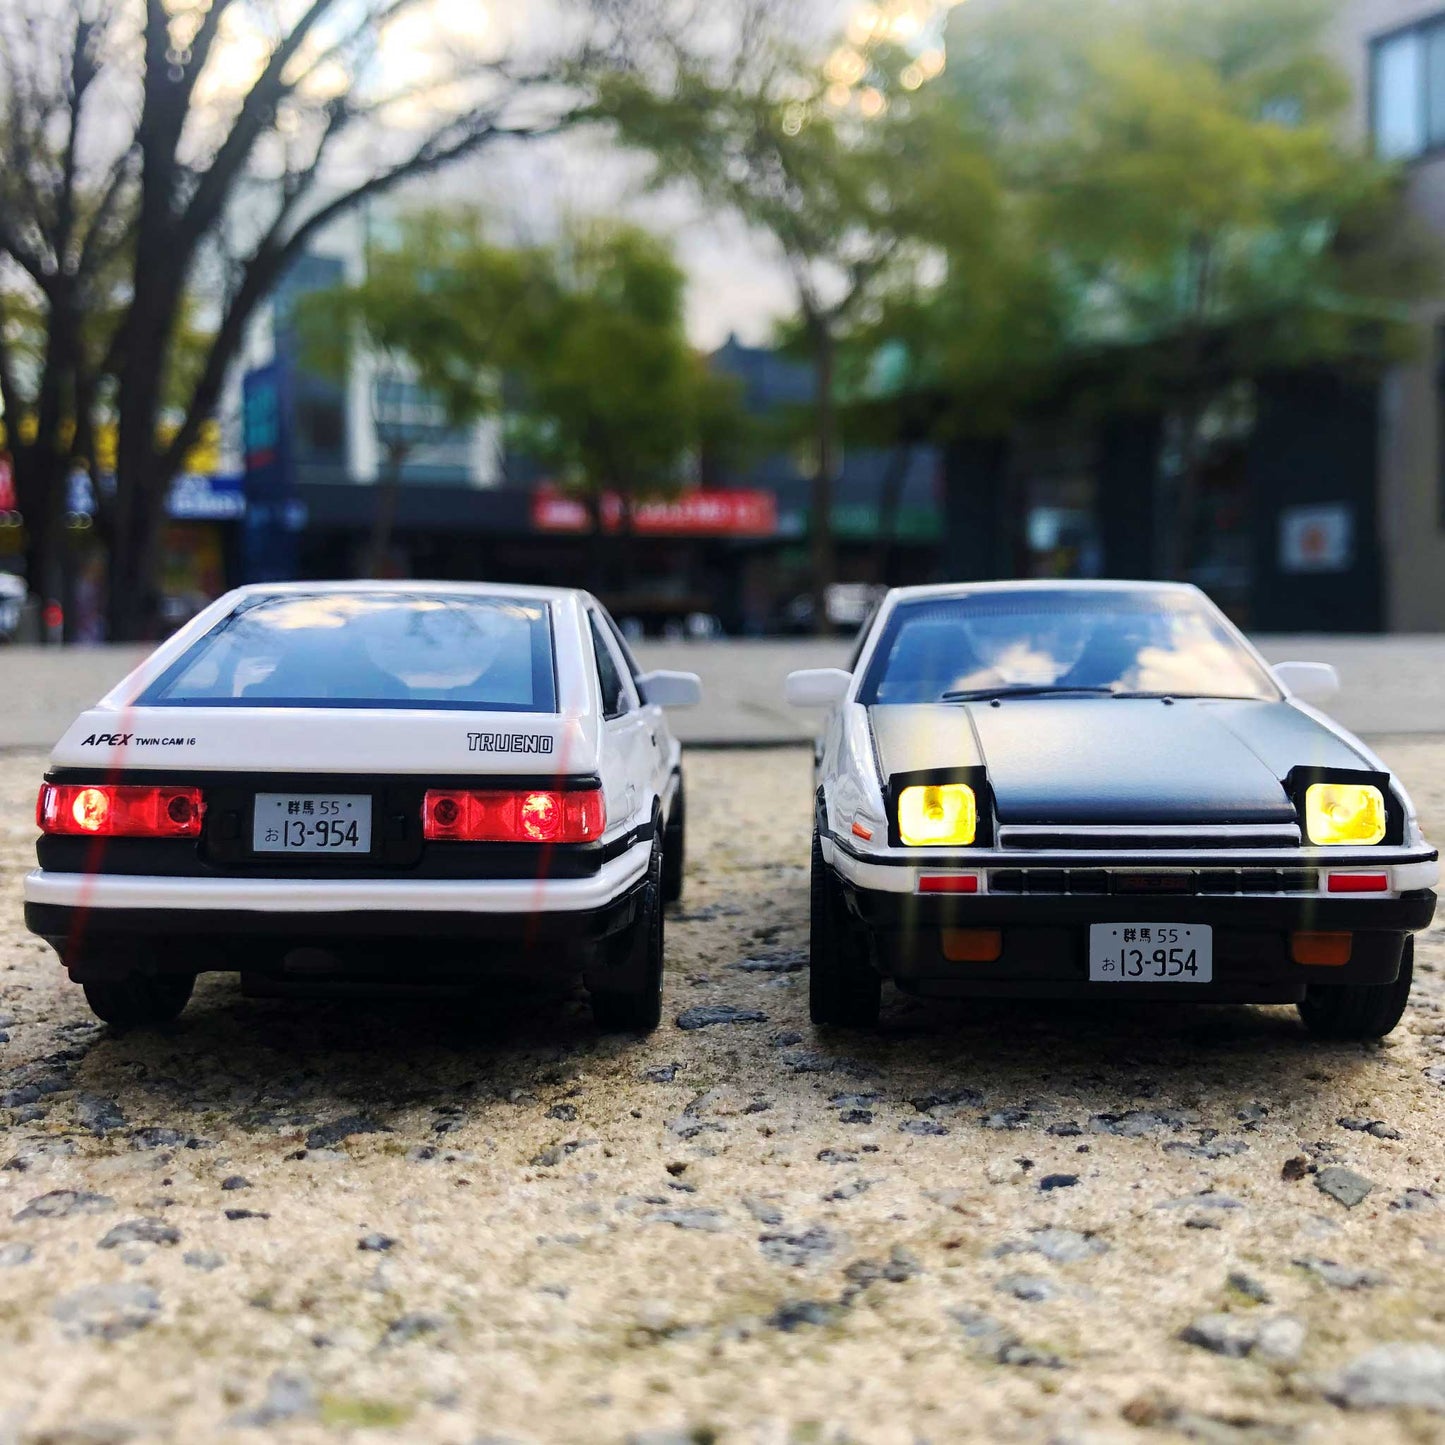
{"x": 1045, "y": 941}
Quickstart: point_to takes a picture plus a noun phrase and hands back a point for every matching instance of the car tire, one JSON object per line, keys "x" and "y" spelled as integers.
{"x": 1359, "y": 1010}
{"x": 139, "y": 1000}
{"x": 637, "y": 1009}
{"x": 674, "y": 850}
{"x": 844, "y": 989}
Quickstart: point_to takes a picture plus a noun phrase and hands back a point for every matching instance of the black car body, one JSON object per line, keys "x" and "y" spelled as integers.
{"x": 1143, "y": 789}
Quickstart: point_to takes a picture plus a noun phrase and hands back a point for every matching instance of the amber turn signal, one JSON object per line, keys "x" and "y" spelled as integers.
{"x": 1323, "y": 950}
{"x": 972, "y": 945}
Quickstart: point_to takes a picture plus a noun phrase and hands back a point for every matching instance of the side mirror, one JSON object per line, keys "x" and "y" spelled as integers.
{"x": 1313, "y": 682}
{"x": 817, "y": 687}
{"x": 670, "y": 689}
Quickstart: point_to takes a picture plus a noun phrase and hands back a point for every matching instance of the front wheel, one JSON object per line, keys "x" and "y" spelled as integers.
{"x": 844, "y": 989}
{"x": 1359, "y": 1011}
{"x": 139, "y": 1000}
{"x": 636, "y": 1007}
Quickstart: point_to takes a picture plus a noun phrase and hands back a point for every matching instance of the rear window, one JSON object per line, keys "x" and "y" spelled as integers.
{"x": 358, "y": 649}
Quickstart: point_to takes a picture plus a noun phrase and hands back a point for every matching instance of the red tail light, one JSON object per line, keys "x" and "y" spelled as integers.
{"x": 98, "y": 810}
{"x": 532, "y": 815}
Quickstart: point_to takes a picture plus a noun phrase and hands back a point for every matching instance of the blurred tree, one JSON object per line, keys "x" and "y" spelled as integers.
{"x": 826, "y": 163}
{"x": 1190, "y": 213}
{"x": 203, "y": 144}
{"x": 581, "y": 346}
{"x": 435, "y": 321}
{"x": 607, "y": 392}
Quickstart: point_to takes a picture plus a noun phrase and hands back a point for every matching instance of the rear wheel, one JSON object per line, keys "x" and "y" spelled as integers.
{"x": 674, "y": 853}
{"x": 844, "y": 989}
{"x": 636, "y": 1006}
{"x": 1359, "y": 1010}
{"x": 139, "y": 1000}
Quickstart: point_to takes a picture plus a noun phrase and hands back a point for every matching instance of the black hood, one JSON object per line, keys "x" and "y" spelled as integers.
{"x": 1117, "y": 760}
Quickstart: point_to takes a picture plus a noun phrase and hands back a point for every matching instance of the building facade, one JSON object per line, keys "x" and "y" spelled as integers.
{"x": 1394, "y": 54}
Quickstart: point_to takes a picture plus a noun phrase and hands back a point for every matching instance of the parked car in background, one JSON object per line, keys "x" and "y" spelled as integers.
{"x": 417, "y": 782}
{"x": 1101, "y": 790}
{"x": 13, "y": 593}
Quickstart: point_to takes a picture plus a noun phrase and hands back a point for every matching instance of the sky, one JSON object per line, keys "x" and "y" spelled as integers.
{"x": 738, "y": 285}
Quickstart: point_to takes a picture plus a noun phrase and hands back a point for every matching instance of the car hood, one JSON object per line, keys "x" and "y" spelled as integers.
{"x": 1118, "y": 760}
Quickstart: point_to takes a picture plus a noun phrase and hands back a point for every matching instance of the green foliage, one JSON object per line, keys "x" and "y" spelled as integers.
{"x": 439, "y": 302}
{"x": 1179, "y": 187}
{"x": 609, "y": 394}
{"x": 581, "y": 344}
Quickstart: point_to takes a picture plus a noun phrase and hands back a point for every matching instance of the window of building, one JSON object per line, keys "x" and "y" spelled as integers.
{"x": 1407, "y": 83}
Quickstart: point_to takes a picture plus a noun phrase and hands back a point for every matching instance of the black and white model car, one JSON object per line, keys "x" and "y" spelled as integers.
{"x": 1081, "y": 790}
{"x": 479, "y": 771}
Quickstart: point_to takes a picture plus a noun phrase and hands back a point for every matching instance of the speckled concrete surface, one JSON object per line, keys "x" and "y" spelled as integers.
{"x": 318, "y": 1221}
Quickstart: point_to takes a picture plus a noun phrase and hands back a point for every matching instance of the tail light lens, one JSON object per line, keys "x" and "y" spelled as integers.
{"x": 529, "y": 816}
{"x": 96, "y": 810}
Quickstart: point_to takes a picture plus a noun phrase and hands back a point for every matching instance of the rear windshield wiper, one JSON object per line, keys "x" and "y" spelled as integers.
{"x": 1029, "y": 690}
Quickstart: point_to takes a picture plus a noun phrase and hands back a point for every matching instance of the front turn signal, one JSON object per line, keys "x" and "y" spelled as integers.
{"x": 938, "y": 815}
{"x": 1343, "y": 813}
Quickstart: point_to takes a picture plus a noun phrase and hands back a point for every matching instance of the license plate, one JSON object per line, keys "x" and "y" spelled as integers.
{"x": 1151, "y": 953}
{"x": 312, "y": 823}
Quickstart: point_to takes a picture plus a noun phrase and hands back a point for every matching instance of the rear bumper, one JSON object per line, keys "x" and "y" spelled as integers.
{"x": 1045, "y": 941}
{"x": 108, "y": 896}
{"x": 222, "y": 923}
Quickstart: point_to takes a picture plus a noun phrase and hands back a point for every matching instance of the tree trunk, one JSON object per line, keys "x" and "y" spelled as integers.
{"x": 890, "y": 505}
{"x": 40, "y": 492}
{"x": 1181, "y": 534}
{"x": 383, "y": 521}
{"x": 823, "y": 552}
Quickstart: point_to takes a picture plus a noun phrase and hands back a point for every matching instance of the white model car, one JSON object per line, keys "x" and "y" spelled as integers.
{"x": 1101, "y": 790}
{"x": 479, "y": 771}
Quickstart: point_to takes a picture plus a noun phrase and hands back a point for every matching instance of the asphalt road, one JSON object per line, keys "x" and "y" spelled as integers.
{"x": 1392, "y": 685}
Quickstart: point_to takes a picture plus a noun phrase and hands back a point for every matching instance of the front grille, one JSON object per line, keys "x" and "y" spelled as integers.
{"x": 1154, "y": 883}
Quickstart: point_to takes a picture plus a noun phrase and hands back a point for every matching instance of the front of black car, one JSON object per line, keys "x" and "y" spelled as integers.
{"x": 1069, "y": 790}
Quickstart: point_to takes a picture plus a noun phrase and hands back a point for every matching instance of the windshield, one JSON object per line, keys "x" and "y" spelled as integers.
{"x": 385, "y": 649}
{"x": 1067, "y": 640}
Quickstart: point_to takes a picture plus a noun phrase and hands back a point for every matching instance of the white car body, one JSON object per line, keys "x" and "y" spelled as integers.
{"x": 629, "y": 750}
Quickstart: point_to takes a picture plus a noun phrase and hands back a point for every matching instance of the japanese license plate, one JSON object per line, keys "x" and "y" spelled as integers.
{"x": 1151, "y": 953}
{"x": 312, "y": 823}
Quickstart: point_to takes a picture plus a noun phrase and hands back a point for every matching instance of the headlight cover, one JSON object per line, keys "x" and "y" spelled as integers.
{"x": 938, "y": 815}
{"x": 1339, "y": 814}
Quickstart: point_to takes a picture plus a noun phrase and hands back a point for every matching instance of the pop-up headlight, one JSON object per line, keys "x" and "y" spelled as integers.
{"x": 1344, "y": 813}
{"x": 938, "y": 815}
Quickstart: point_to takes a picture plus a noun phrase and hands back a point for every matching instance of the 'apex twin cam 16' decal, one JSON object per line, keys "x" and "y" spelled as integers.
{"x": 509, "y": 742}
{"x": 124, "y": 740}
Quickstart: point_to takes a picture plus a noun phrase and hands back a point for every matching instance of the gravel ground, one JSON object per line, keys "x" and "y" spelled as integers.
{"x": 481, "y": 1222}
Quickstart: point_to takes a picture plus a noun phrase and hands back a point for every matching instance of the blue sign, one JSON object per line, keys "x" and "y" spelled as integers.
{"x": 194, "y": 497}
{"x": 274, "y": 518}
{"x": 200, "y": 498}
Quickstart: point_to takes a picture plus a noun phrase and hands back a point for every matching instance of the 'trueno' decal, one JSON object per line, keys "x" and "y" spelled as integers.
{"x": 509, "y": 743}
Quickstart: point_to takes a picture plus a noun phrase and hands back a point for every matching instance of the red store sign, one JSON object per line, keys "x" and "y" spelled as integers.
{"x": 694, "y": 514}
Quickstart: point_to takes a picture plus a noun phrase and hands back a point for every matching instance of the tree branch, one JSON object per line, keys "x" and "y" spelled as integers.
{"x": 276, "y": 252}
{"x": 257, "y": 111}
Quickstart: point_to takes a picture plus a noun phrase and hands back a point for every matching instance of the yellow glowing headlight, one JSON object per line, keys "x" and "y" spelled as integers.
{"x": 1344, "y": 813}
{"x": 935, "y": 816}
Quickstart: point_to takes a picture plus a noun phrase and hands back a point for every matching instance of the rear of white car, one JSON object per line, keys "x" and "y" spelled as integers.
{"x": 478, "y": 771}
